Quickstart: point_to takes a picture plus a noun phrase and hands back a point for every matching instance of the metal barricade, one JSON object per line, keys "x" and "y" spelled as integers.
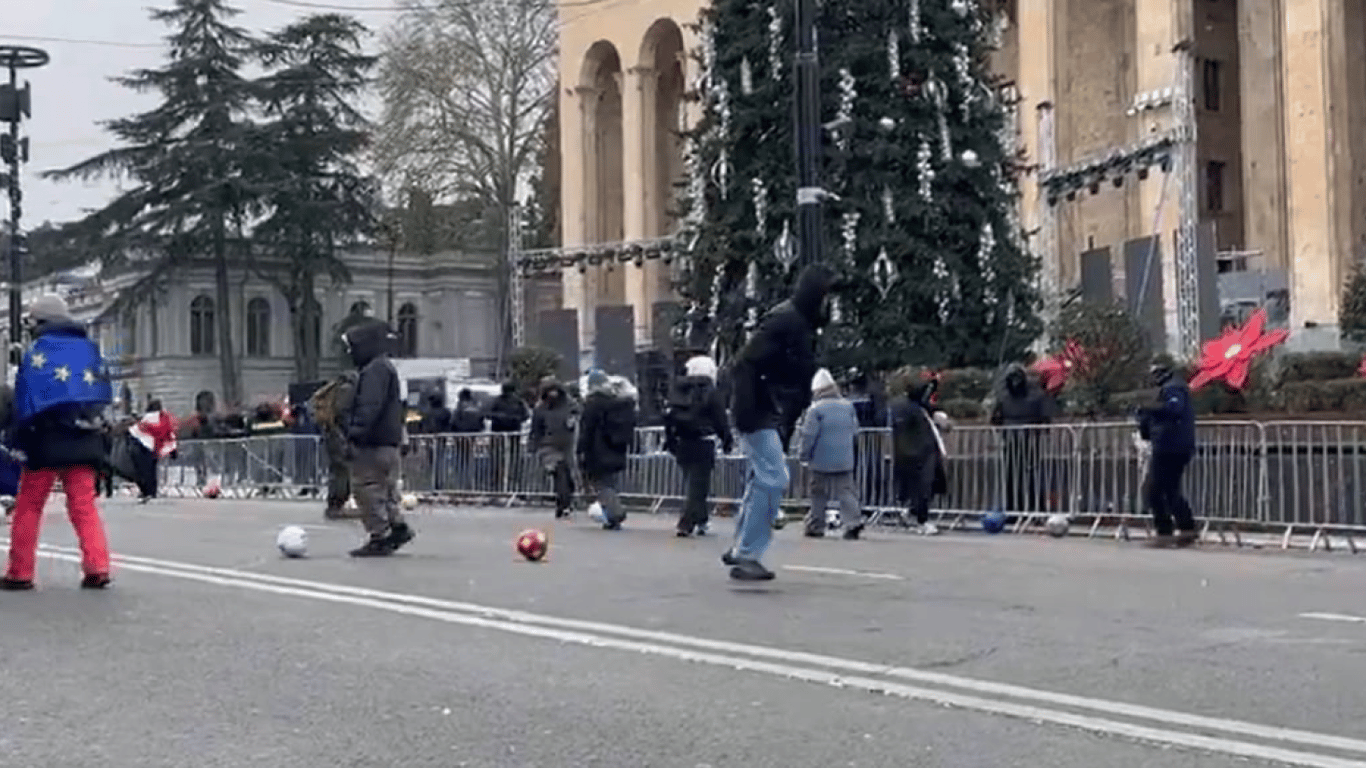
{"x": 1278, "y": 476}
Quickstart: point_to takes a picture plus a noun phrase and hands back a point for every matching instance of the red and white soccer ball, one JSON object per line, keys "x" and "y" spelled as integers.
{"x": 533, "y": 544}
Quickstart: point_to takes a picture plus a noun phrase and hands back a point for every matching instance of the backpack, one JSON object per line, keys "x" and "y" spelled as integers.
{"x": 619, "y": 428}
{"x": 688, "y": 412}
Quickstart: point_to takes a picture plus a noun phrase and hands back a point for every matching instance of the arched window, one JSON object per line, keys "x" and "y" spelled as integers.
{"x": 258, "y": 328}
{"x": 362, "y": 309}
{"x": 202, "y": 317}
{"x": 407, "y": 330}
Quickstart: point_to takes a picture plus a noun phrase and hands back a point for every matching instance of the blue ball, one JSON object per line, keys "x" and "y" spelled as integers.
{"x": 994, "y": 522}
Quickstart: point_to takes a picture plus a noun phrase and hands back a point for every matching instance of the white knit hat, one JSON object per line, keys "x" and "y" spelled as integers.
{"x": 701, "y": 366}
{"x": 822, "y": 381}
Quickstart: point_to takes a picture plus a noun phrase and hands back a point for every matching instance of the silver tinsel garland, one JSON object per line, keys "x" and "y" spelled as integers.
{"x": 986, "y": 258}
{"x": 775, "y": 44}
{"x": 759, "y": 192}
{"x": 888, "y": 209}
{"x": 943, "y": 298}
{"x": 752, "y": 294}
{"x": 849, "y": 232}
{"x": 925, "y": 171}
{"x": 746, "y": 77}
{"x": 894, "y": 55}
{"x": 915, "y": 21}
{"x": 963, "y": 65}
{"x": 720, "y": 172}
{"x": 938, "y": 94}
{"x": 848, "y": 94}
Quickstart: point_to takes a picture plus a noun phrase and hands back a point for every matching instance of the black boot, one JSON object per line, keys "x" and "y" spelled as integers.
{"x": 377, "y": 546}
{"x": 399, "y": 535}
{"x": 750, "y": 570}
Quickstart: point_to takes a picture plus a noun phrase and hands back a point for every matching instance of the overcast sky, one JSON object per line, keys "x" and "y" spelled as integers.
{"x": 90, "y": 41}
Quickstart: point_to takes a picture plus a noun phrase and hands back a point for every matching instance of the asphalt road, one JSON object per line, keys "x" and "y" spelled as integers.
{"x": 634, "y": 649}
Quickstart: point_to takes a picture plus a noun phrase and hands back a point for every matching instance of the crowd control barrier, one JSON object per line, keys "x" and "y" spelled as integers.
{"x": 1293, "y": 479}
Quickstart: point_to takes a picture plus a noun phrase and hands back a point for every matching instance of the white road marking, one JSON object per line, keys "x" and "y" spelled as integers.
{"x": 793, "y": 665}
{"x": 1335, "y": 617}
{"x": 843, "y": 572}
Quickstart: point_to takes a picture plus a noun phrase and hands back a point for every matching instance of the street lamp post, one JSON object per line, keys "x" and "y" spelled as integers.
{"x": 807, "y": 119}
{"x": 15, "y": 105}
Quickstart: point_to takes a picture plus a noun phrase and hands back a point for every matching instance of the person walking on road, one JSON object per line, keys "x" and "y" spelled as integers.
{"x": 606, "y": 432}
{"x": 772, "y": 386}
{"x": 552, "y": 438}
{"x": 693, "y": 422}
{"x": 918, "y": 453}
{"x": 375, "y": 433}
{"x": 1170, "y": 428}
{"x": 827, "y": 435}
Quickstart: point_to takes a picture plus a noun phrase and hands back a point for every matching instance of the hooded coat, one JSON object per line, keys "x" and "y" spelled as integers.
{"x": 917, "y": 455}
{"x": 552, "y": 425}
{"x": 436, "y": 417}
{"x": 507, "y": 412}
{"x": 606, "y": 431}
{"x": 1019, "y": 402}
{"x": 771, "y": 377}
{"x": 377, "y": 412}
{"x": 696, "y": 412}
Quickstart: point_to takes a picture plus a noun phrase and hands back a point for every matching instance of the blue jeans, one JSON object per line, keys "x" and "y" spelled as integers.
{"x": 766, "y": 480}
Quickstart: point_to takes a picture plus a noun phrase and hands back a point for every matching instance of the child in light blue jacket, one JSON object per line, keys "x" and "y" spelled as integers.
{"x": 828, "y": 431}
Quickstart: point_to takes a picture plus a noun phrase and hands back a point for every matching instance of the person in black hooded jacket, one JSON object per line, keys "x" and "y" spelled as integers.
{"x": 694, "y": 420}
{"x": 606, "y": 432}
{"x": 375, "y": 433}
{"x": 918, "y": 460}
{"x": 770, "y": 389}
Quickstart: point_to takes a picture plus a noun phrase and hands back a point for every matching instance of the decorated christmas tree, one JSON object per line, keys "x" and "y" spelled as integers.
{"x": 920, "y": 155}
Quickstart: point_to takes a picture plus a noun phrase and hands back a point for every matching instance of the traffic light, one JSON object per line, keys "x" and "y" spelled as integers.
{"x": 15, "y": 103}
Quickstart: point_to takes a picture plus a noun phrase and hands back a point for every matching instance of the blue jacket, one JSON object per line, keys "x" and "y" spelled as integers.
{"x": 828, "y": 433}
{"x": 1171, "y": 424}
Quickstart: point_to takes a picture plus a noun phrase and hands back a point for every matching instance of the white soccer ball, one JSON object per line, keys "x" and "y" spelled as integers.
{"x": 596, "y": 514}
{"x": 292, "y": 541}
{"x": 1058, "y": 525}
{"x": 409, "y": 501}
{"x": 833, "y": 521}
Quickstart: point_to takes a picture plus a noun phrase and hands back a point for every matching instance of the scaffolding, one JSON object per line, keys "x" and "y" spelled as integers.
{"x": 1174, "y": 152}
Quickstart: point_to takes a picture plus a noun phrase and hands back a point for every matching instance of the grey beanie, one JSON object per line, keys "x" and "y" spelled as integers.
{"x": 49, "y": 308}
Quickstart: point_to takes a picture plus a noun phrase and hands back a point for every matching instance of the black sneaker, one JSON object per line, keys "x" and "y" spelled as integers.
{"x": 852, "y": 532}
{"x": 728, "y": 558}
{"x": 813, "y": 534}
{"x": 683, "y": 533}
{"x": 15, "y": 585}
{"x": 95, "y": 581}
{"x": 377, "y": 546}
{"x": 399, "y": 535}
{"x": 749, "y": 570}
{"x": 561, "y": 513}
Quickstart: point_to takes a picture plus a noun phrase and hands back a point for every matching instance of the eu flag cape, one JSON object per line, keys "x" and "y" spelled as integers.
{"x": 60, "y": 369}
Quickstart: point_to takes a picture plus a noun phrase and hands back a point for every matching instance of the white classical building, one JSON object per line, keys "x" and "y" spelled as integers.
{"x": 443, "y": 305}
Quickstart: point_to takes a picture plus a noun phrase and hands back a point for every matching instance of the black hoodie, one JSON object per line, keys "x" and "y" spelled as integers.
{"x": 771, "y": 378}
{"x": 377, "y": 406}
{"x": 696, "y": 412}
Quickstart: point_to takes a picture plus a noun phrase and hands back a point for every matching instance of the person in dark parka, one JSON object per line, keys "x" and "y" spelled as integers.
{"x": 1170, "y": 427}
{"x": 770, "y": 389}
{"x": 918, "y": 454}
{"x": 507, "y": 413}
{"x": 606, "y": 432}
{"x": 375, "y": 433}
{"x": 552, "y": 438}
{"x": 694, "y": 421}
{"x": 1021, "y": 408}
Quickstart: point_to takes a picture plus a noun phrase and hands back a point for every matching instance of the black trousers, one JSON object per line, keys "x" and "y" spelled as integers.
{"x": 1165, "y": 499}
{"x": 696, "y": 489}
{"x": 562, "y": 481}
{"x": 145, "y": 467}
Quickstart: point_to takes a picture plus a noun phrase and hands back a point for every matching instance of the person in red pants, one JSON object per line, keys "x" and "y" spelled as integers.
{"x": 60, "y": 392}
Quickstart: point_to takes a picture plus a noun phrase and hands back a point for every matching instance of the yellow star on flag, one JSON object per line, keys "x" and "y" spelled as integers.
{"x": 89, "y": 376}
{"x": 38, "y": 360}
{"x": 62, "y": 374}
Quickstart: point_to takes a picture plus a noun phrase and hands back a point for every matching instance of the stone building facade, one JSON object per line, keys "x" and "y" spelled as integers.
{"x": 443, "y": 305}
{"x": 1279, "y": 92}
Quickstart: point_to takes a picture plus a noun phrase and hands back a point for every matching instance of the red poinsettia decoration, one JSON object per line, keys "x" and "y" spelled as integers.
{"x": 1054, "y": 371}
{"x": 1229, "y": 357}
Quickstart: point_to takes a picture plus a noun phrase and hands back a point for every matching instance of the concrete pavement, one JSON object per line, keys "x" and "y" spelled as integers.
{"x": 634, "y": 649}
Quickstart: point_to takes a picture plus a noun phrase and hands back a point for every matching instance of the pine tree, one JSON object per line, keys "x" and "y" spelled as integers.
{"x": 315, "y": 196}
{"x": 189, "y": 197}
{"x": 924, "y": 232}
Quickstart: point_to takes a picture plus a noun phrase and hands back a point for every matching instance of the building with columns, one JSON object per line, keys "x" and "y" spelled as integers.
{"x": 1272, "y": 192}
